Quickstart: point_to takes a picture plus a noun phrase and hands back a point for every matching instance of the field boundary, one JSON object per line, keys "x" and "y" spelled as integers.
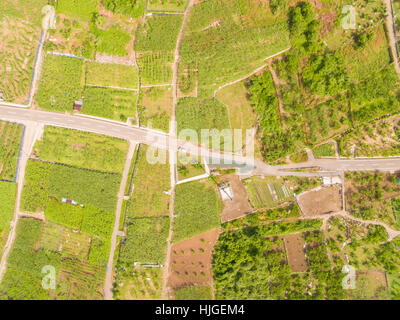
{"x": 165, "y": 12}
{"x": 20, "y": 152}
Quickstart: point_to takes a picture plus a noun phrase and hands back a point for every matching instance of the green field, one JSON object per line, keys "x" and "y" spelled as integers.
{"x": 7, "y": 203}
{"x": 266, "y": 193}
{"x": 78, "y": 9}
{"x": 214, "y": 31}
{"x": 75, "y": 278}
{"x": 159, "y": 34}
{"x": 150, "y": 182}
{"x": 113, "y": 41}
{"x": 166, "y": 5}
{"x": 82, "y": 149}
{"x": 194, "y": 114}
{"x": 110, "y": 103}
{"x": 88, "y": 219}
{"x": 60, "y": 83}
{"x": 197, "y": 209}
{"x": 146, "y": 240}
{"x": 10, "y": 140}
{"x": 45, "y": 179}
{"x": 132, "y": 9}
{"x": 117, "y": 75}
{"x": 155, "y": 68}
{"x": 138, "y": 283}
{"x": 194, "y": 293}
{"x": 155, "y": 107}
{"x": 325, "y": 150}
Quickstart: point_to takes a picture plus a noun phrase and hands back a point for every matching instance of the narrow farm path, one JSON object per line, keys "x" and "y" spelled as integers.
{"x": 310, "y": 154}
{"x": 27, "y": 145}
{"x": 173, "y": 155}
{"x": 277, "y": 83}
{"x": 391, "y": 233}
{"x": 108, "y": 284}
{"x": 253, "y": 72}
{"x": 392, "y": 35}
{"x": 37, "y": 69}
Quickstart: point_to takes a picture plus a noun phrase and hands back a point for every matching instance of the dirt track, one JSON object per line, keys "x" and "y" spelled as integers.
{"x": 108, "y": 284}
{"x": 173, "y": 156}
{"x": 392, "y": 36}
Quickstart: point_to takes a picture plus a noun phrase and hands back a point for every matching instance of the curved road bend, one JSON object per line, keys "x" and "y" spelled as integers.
{"x": 164, "y": 141}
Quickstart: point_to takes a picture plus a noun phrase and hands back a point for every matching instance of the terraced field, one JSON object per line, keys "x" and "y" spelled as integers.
{"x": 17, "y": 62}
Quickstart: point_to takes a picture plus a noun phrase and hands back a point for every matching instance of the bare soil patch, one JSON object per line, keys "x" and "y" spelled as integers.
{"x": 240, "y": 205}
{"x": 190, "y": 262}
{"x": 294, "y": 248}
{"x": 322, "y": 201}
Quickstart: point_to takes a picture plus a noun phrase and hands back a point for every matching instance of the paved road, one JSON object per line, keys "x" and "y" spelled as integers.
{"x": 164, "y": 141}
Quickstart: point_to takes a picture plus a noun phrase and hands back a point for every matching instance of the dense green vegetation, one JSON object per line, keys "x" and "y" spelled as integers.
{"x": 155, "y": 68}
{"x": 131, "y": 8}
{"x": 86, "y": 187}
{"x": 265, "y": 103}
{"x": 213, "y": 32}
{"x": 247, "y": 265}
{"x": 112, "y": 41}
{"x": 88, "y": 219}
{"x": 34, "y": 249}
{"x": 159, "y": 34}
{"x": 7, "y": 202}
{"x": 194, "y": 114}
{"x": 23, "y": 278}
{"x": 197, "y": 209}
{"x": 60, "y": 83}
{"x": 166, "y": 5}
{"x": 146, "y": 241}
{"x": 36, "y": 186}
{"x": 78, "y": 9}
{"x": 325, "y": 75}
{"x": 325, "y": 150}
{"x": 10, "y": 140}
{"x": 110, "y": 103}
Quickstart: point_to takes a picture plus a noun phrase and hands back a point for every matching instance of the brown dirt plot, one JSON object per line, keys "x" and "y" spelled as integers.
{"x": 321, "y": 201}
{"x": 294, "y": 248}
{"x": 239, "y": 206}
{"x": 191, "y": 260}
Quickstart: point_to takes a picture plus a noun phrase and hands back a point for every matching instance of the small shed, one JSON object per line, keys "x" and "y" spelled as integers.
{"x": 78, "y": 105}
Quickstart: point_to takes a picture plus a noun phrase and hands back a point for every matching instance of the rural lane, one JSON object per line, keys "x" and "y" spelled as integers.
{"x": 167, "y": 142}
{"x": 108, "y": 284}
